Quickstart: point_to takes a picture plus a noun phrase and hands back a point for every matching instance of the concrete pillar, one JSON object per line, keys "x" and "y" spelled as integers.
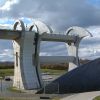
{"x": 73, "y": 51}
{"x": 26, "y": 54}
{"x": 73, "y": 47}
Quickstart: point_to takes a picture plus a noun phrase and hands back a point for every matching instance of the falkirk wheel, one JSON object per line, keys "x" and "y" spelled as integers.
{"x": 26, "y": 44}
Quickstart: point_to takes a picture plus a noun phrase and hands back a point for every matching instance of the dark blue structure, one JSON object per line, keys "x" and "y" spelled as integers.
{"x": 82, "y": 79}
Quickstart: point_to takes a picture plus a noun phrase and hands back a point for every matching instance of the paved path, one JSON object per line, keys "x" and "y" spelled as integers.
{"x": 82, "y": 96}
{"x": 28, "y": 95}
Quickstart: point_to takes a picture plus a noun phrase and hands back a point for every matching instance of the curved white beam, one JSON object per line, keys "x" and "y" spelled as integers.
{"x": 78, "y": 31}
{"x": 40, "y": 27}
{"x": 19, "y": 22}
{"x": 74, "y": 46}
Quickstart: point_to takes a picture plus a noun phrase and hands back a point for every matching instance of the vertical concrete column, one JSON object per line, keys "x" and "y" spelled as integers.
{"x": 39, "y": 28}
{"x": 26, "y": 52}
{"x": 73, "y": 47}
{"x": 73, "y": 51}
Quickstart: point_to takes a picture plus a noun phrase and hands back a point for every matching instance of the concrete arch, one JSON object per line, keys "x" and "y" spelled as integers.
{"x": 26, "y": 75}
{"x": 74, "y": 46}
{"x": 19, "y": 22}
{"x": 40, "y": 27}
{"x": 26, "y": 51}
{"x": 78, "y": 31}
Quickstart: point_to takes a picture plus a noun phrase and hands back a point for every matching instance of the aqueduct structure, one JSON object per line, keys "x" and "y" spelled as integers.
{"x": 26, "y": 44}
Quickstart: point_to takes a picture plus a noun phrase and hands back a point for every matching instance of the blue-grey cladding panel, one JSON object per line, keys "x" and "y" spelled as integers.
{"x": 82, "y": 79}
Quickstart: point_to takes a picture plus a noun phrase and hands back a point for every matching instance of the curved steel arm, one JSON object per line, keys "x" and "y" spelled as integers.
{"x": 40, "y": 27}
{"x": 21, "y": 23}
{"x": 78, "y": 31}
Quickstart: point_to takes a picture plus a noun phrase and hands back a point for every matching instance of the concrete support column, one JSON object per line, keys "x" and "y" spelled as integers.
{"x": 26, "y": 53}
{"x": 73, "y": 51}
{"x": 73, "y": 47}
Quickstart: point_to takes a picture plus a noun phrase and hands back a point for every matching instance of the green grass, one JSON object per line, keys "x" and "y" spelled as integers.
{"x": 56, "y": 98}
{"x": 6, "y": 72}
{"x": 51, "y": 71}
{"x": 97, "y": 98}
{"x": 1, "y": 99}
{"x": 5, "y": 99}
{"x": 15, "y": 99}
{"x": 13, "y": 89}
{"x": 10, "y": 72}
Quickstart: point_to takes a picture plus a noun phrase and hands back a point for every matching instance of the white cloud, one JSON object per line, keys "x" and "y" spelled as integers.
{"x": 6, "y": 23}
{"x": 6, "y": 55}
{"x": 4, "y": 20}
{"x": 90, "y": 47}
{"x": 45, "y": 54}
{"x": 60, "y": 15}
{"x": 95, "y": 30}
{"x": 8, "y": 4}
{"x": 5, "y": 26}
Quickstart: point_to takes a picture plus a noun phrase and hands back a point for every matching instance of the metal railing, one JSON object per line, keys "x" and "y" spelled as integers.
{"x": 53, "y": 88}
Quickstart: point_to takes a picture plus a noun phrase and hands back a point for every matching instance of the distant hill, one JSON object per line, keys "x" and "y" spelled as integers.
{"x": 6, "y": 65}
{"x": 62, "y": 66}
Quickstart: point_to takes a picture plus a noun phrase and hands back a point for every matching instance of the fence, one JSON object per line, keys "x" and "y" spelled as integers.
{"x": 53, "y": 88}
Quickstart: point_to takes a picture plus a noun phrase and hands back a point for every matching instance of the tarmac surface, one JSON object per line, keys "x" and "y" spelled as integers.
{"x": 26, "y": 95}
{"x": 81, "y": 96}
{"x": 4, "y": 92}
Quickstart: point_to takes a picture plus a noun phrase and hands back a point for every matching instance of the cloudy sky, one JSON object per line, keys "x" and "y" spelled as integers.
{"x": 58, "y": 14}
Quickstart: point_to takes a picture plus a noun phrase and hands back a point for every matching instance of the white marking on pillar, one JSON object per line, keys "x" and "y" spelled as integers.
{"x": 74, "y": 46}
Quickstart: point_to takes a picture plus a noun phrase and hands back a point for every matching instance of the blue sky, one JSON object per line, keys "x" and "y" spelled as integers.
{"x": 94, "y": 2}
{"x": 58, "y": 14}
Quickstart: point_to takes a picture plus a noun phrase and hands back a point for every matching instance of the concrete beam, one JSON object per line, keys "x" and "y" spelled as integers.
{"x": 13, "y": 34}
{"x": 58, "y": 37}
{"x": 56, "y": 59}
{"x": 9, "y": 34}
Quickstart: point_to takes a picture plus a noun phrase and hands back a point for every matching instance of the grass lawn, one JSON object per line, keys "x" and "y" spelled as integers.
{"x": 97, "y": 98}
{"x": 6, "y": 72}
{"x": 10, "y": 72}
{"x": 15, "y": 99}
{"x": 13, "y": 89}
{"x": 5, "y": 99}
{"x": 51, "y": 71}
